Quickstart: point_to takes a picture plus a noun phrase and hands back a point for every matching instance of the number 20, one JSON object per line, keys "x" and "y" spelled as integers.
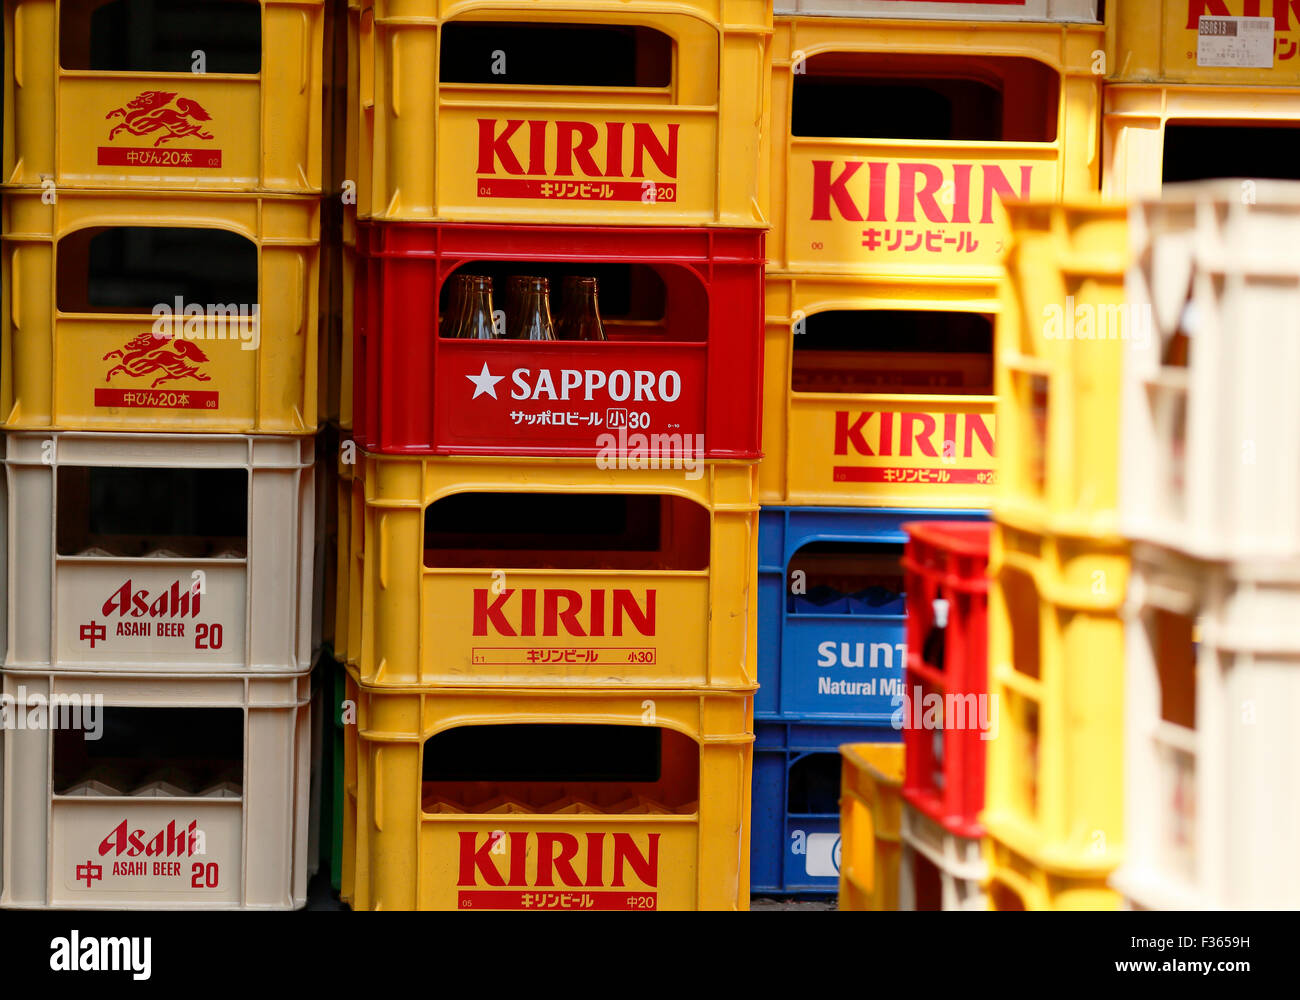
{"x": 212, "y": 633}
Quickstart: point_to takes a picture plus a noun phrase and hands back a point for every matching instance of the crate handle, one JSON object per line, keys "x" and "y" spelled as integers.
{"x": 394, "y": 88}
{"x": 302, "y": 293}
{"x": 381, "y": 537}
{"x": 366, "y": 81}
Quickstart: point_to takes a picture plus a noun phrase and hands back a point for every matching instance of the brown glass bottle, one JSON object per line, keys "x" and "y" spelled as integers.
{"x": 533, "y": 321}
{"x": 450, "y": 317}
{"x": 581, "y": 317}
{"x": 476, "y": 316}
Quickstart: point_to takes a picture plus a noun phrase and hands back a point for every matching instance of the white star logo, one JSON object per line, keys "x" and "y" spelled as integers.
{"x": 485, "y": 382}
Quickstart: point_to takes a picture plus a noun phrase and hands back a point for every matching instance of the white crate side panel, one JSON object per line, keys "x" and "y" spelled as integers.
{"x": 262, "y": 604}
{"x": 258, "y": 841}
{"x": 1229, "y": 255}
{"x": 93, "y": 865}
{"x": 182, "y": 634}
{"x": 945, "y": 10}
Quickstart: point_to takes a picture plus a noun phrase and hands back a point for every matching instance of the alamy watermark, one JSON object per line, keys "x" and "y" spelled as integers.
{"x": 181, "y": 320}
{"x": 56, "y": 711}
{"x": 1086, "y": 321}
{"x": 635, "y": 450}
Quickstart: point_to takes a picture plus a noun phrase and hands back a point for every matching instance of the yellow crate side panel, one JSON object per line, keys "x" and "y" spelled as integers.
{"x": 871, "y": 805}
{"x": 1245, "y": 43}
{"x": 219, "y": 131}
{"x": 912, "y": 207}
{"x": 877, "y": 449}
{"x": 1016, "y": 883}
{"x": 1054, "y": 785}
{"x": 1058, "y": 351}
{"x": 110, "y": 371}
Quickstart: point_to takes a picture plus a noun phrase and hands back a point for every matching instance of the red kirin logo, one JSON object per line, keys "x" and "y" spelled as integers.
{"x": 144, "y": 356}
{"x": 148, "y": 113}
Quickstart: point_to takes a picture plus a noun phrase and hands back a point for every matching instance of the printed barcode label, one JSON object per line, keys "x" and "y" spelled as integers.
{"x": 1240, "y": 42}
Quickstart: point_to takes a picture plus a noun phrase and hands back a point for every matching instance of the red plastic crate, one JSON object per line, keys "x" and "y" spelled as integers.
{"x": 948, "y": 559}
{"x": 413, "y": 391}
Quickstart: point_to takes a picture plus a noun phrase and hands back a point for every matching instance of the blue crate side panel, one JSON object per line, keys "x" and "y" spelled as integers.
{"x": 829, "y": 667}
{"x": 796, "y": 851}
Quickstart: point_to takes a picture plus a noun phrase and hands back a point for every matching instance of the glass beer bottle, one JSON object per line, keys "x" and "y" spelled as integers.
{"x": 476, "y": 316}
{"x": 449, "y": 318}
{"x": 581, "y": 318}
{"x": 534, "y": 318}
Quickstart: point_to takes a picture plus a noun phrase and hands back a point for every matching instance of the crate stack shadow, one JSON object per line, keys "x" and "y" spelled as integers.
{"x": 885, "y": 285}
{"x": 546, "y": 588}
{"x": 159, "y": 394}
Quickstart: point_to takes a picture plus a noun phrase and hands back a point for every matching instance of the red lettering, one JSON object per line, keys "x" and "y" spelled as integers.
{"x": 886, "y": 433}
{"x": 646, "y": 866}
{"x": 995, "y": 182}
{"x": 907, "y": 435}
{"x": 846, "y": 434}
{"x": 595, "y": 859}
{"x": 961, "y": 192}
{"x": 492, "y": 147}
{"x": 546, "y": 858}
{"x": 613, "y": 149}
{"x": 518, "y": 857}
{"x": 596, "y": 619}
{"x": 478, "y": 861}
{"x": 528, "y": 617}
{"x": 116, "y": 840}
{"x": 567, "y": 149}
{"x": 877, "y": 185}
{"x": 119, "y": 601}
{"x": 642, "y": 620}
{"x": 909, "y": 197}
{"x": 975, "y": 427}
{"x": 645, "y": 141}
{"x": 553, "y": 617}
{"x": 484, "y": 611}
{"x": 826, "y": 190}
{"x": 536, "y": 147}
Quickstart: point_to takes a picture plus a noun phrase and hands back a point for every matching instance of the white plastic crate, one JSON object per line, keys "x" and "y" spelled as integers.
{"x": 105, "y": 575}
{"x": 1212, "y": 753}
{"x": 85, "y": 830}
{"x": 945, "y": 10}
{"x": 959, "y": 861}
{"x": 1211, "y": 450}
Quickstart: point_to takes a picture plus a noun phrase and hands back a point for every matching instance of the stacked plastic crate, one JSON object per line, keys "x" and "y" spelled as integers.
{"x": 897, "y": 128}
{"x": 159, "y": 398}
{"x": 1210, "y": 495}
{"x": 1057, "y": 566}
{"x": 553, "y": 542}
{"x": 1199, "y": 89}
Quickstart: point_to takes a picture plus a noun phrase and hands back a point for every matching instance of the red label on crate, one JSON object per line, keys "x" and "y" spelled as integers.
{"x": 640, "y": 402}
{"x": 169, "y": 399}
{"x": 553, "y": 611}
{"x": 934, "y": 476}
{"x": 548, "y": 861}
{"x": 560, "y": 190}
{"x": 512, "y": 900}
{"x": 566, "y": 160}
{"x": 162, "y": 116}
{"x": 502, "y": 656}
{"x": 135, "y": 156}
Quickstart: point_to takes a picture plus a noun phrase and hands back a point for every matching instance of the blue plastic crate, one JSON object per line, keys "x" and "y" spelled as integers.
{"x": 795, "y": 833}
{"x": 823, "y": 656}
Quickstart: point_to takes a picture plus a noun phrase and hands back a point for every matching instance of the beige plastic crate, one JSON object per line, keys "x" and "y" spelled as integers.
{"x": 73, "y": 838}
{"x": 961, "y": 866}
{"x": 108, "y": 601}
{"x": 1135, "y": 118}
{"x": 945, "y": 10}
{"x": 1212, "y": 759}
{"x": 1211, "y": 448}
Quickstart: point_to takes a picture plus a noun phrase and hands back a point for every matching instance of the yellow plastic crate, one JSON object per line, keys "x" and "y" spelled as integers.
{"x": 350, "y": 861}
{"x": 347, "y": 615}
{"x": 1137, "y": 116}
{"x": 347, "y": 291}
{"x": 842, "y": 205}
{"x": 871, "y": 807}
{"x": 449, "y": 617}
{"x": 1016, "y": 883}
{"x": 1167, "y": 41}
{"x": 850, "y": 447}
{"x": 680, "y": 154}
{"x": 1054, "y": 785}
{"x": 1059, "y": 351}
{"x": 678, "y": 843}
{"x": 103, "y": 369}
{"x": 79, "y": 127}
